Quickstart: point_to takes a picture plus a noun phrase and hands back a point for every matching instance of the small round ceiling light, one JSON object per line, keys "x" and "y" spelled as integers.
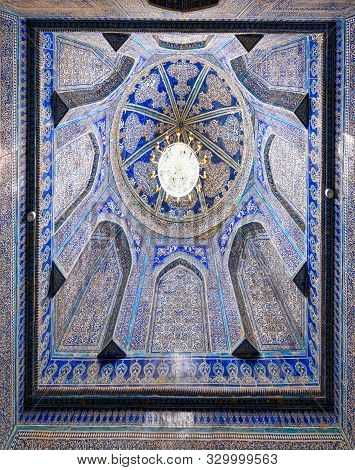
{"x": 178, "y": 170}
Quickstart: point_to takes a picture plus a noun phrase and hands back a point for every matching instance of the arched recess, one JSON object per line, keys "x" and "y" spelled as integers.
{"x": 179, "y": 319}
{"x": 270, "y": 304}
{"x": 88, "y": 303}
{"x": 286, "y": 169}
{"x": 75, "y": 172}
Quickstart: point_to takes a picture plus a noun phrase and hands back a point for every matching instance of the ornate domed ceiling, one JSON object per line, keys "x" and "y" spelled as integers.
{"x": 172, "y": 242}
{"x": 184, "y": 194}
{"x": 185, "y": 100}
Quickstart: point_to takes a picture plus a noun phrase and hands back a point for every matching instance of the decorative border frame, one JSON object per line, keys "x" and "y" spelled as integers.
{"x": 321, "y": 429}
{"x": 38, "y": 395}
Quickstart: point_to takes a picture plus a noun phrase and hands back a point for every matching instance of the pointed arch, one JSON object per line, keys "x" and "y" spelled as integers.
{"x": 88, "y": 303}
{"x": 179, "y": 319}
{"x": 270, "y": 304}
{"x": 75, "y": 172}
{"x": 287, "y": 184}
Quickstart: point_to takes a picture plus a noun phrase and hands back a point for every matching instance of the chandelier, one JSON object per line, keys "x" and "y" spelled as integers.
{"x": 179, "y": 168}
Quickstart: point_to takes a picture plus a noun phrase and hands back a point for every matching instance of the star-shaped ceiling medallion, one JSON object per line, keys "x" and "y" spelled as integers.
{"x": 188, "y": 108}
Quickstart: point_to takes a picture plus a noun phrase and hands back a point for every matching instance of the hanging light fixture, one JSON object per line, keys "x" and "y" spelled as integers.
{"x": 178, "y": 168}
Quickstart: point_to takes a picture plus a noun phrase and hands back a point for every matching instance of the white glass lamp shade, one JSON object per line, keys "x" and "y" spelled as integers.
{"x": 178, "y": 170}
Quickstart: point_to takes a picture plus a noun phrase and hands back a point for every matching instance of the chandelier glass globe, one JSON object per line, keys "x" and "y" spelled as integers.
{"x": 178, "y": 170}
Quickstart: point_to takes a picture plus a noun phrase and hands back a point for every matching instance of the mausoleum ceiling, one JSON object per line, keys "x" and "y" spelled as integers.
{"x": 176, "y": 253}
{"x": 179, "y": 210}
{"x": 182, "y": 99}
{"x": 178, "y": 239}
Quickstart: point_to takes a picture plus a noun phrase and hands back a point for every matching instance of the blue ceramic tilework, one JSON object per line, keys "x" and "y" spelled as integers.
{"x": 283, "y": 67}
{"x": 192, "y": 88}
{"x": 162, "y": 252}
{"x": 249, "y": 208}
{"x": 260, "y": 133}
{"x": 52, "y": 369}
{"x": 46, "y": 196}
{"x": 10, "y": 239}
{"x": 102, "y": 130}
{"x": 151, "y": 92}
{"x": 182, "y": 77}
{"x": 211, "y": 91}
{"x": 137, "y": 130}
{"x": 214, "y": 419}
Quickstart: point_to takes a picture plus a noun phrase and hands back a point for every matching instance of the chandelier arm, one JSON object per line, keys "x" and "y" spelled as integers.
{"x": 201, "y": 196}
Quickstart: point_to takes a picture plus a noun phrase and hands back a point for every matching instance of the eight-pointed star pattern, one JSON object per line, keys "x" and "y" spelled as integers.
{"x": 193, "y": 97}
